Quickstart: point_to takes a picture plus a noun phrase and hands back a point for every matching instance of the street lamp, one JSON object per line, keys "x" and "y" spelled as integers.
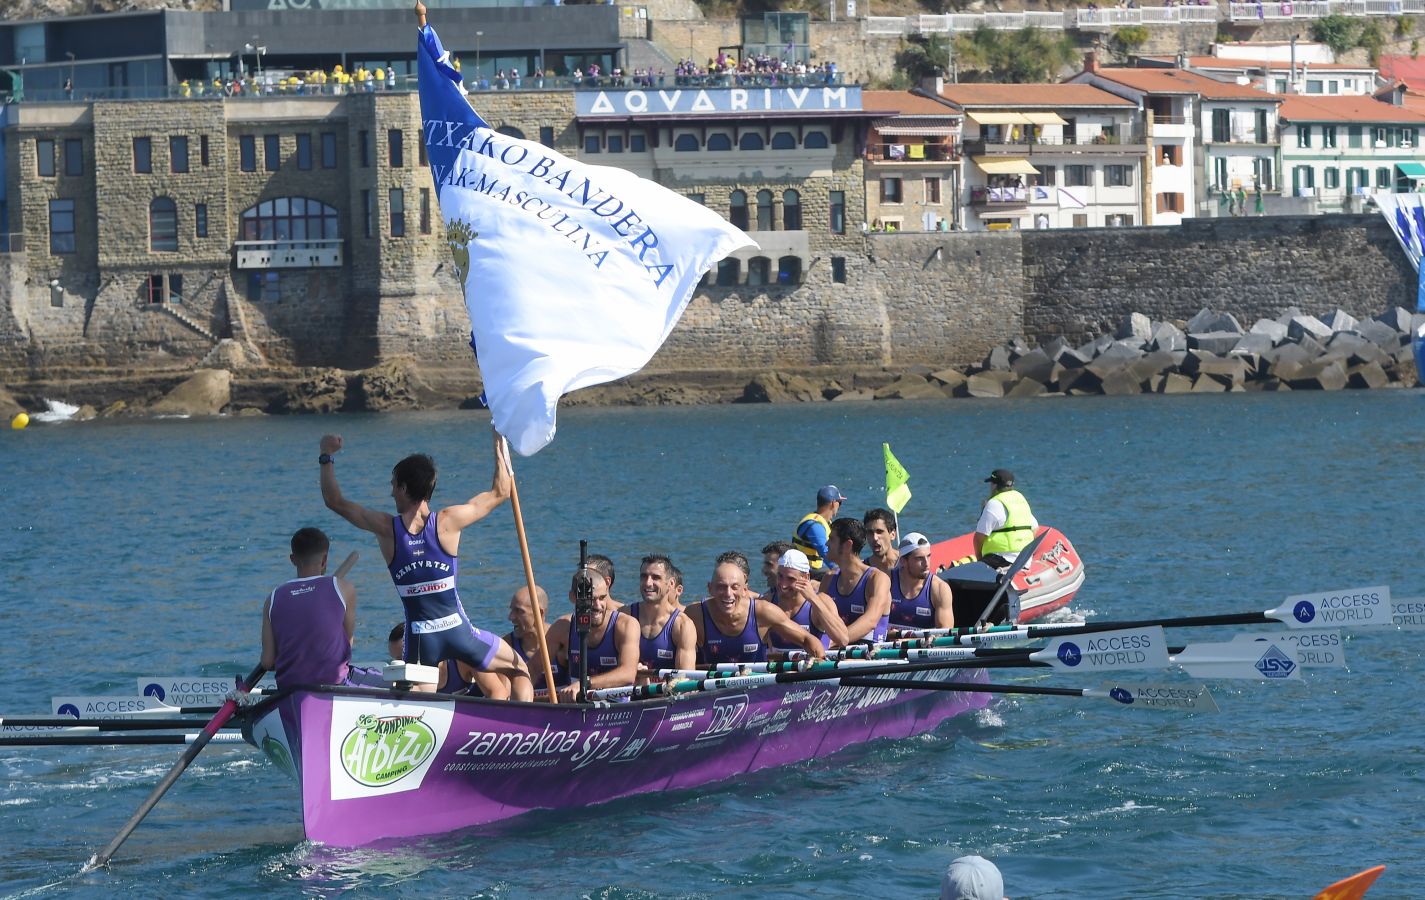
{"x": 257, "y": 50}
{"x": 478, "y": 35}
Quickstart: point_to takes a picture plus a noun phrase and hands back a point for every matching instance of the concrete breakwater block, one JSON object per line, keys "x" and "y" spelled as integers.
{"x": 1135, "y": 326}
{"x": 983, "y": 384}
{"x": 1269, "y": 328}
{"x": 1319, "y": 376}
{"x": 1307, "y": 326}
{"x": 1167, "y": 336}
{"x": 1207, "y": 321}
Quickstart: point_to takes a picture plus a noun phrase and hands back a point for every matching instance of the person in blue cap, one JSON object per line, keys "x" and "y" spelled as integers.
{"x": 814, "y": 529}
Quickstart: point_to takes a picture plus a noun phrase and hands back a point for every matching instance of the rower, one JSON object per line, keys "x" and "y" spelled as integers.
{"x": 605, "y": 567}
{"x": 309, "y": 623}
{"x": 918, "y": 599}
{"x": 524, "y": 637}
{"x": 666, "y": 637}
{"x": 463, "y": 680}
{"x": 770, "y": 555}
{"x": 796, "y": 596}
{"x": 1006, "y": 523}
{"x": 421, "y": 550}
{"x": 814, "y": 530}
{"x": 612, "y": 643}
{"x": 880, "y": 526}
{"x": 732, "y": 624}
{"x": 862, "y": 594}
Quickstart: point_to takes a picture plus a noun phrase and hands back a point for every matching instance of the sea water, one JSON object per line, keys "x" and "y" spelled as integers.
{"x": 146, "y": 547}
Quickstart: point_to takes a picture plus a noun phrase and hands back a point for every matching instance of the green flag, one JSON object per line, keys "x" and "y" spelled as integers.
{"x": 897, "y": 482}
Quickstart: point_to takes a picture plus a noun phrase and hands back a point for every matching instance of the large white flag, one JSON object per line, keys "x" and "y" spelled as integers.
{"x": 574, "y": 274}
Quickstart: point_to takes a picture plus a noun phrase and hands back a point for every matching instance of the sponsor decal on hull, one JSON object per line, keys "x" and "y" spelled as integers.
{"x": 380, "y": 748}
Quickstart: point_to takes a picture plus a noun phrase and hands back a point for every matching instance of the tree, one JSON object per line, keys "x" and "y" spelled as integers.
{"x": 1336, "y": 31}
{"x": 1372, "y": 40}
{"x": 1128, "y": 38}
{"x": 1027, "y": 55}
{"x": 922, "y": 57}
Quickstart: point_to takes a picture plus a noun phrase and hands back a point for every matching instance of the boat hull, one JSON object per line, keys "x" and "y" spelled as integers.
{"x": 376, "y": 765}
{"x": 1048, "y": 582}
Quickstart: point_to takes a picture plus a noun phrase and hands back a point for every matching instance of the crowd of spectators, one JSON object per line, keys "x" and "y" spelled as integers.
{"x": 758, "y": 70}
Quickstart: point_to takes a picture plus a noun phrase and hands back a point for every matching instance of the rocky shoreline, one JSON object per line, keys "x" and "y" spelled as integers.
{"x": 1209, "y": 353}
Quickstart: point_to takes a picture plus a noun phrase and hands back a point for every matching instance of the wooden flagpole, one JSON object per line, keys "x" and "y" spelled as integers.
{"x": 529, "y": 574}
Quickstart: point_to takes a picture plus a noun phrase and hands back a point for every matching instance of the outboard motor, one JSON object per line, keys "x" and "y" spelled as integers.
{"x": 973, "y": 585}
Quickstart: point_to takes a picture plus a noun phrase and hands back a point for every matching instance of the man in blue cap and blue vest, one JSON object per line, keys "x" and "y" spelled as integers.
{"x": 815, "y": 528}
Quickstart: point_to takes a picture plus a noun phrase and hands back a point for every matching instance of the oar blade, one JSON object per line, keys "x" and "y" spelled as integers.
{"x": 1181, "y": 697}
{"x": 1313, "y": 649}
{"x": 1133, "y": 648}
{"x": 1354, "y": 607}
{"x": 1408, "y": 613}
{"x": 1232, "y": 660}
{"x": 1353, "y": 888}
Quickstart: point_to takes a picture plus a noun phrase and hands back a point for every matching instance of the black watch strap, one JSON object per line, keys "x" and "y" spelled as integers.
{"x": 325, "y": 459}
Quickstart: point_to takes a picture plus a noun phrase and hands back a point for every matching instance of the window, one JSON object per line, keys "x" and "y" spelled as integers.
{"x": 424, "y": 161}
{"x": 615, "y": 143}
{"x": 1303, "y": 178}
{"x": 765, "y": 222}
{"x": 178, "y": 154}
{"x": 395, "y": 148}
{"x": 1221, "y": 125}
{"x": 758, "y": 270}
{"x": 1328, "y": 135}
{"x": 698, "y": 197}
{"x": 1260, "y": 126}
{"x": 932, "y": 190}
{"x": 1331, "y": 178}
{"x": 838, "y": 212}
{"x": 363, "y": 149}
{"x": 1280, "y": 86}
{"x": 1170, "y": 203}
{"x": 200, "y": 220}
{"x": 1303, "y": 135}
{"x": 61, "y": 226}
{"x": 1049, "y": 175}
{"x": 290, "y": 219}
{"x": 750, "y": 141}
{"x": 203, "y": 150}
{"x": 368, "y": 213}
{"x": 1079, "y": 176}
{"x": 719, "y": 142}
{"x": 637, "y": 143}
{"x": 272, "y": 152}
{"x": 1382, "y": 178}
{"x": 890, "y": 190}
{"x": 1353, "y": 136}
{"x": 1333, "y": 87}
{"x": 1219, "y": 173}
{"x": 425, "y": 210}
{"x": 815, "y": 140}
{"x": 789, "y": 270}
{"x": 397, "y": 202}
{"x": 247, "y": 153}
{"x": 73, "y": 156}
{"x": 783, "y": 140}
{"x": 1118, "y": 220}
{"x": 328, "y": 150}
{"x": 591, "y": 143}
{"x": 143, "y": 155}
{"x": 838, "y": 270}
{"x": 304, "y": 151}
{"x": 737, "y": 211}
{"x": 1313, "y": 86}
{"x": 729, "y": 272}
{"x": 685, "y": 142}
{"x": 44, "y": 158}
{"x": 264, "y": 286}
{"x": 1265, "y": 174}
{"x": 791, "y": 211}
{"x": 153, "y": 288}
{"x": 162, "y": 225}
{"x": 1119, "y": 176}
{"x": 546, "y": 135}
{"x": 1081, "y": 220}
{"x": 1172, "y": 155}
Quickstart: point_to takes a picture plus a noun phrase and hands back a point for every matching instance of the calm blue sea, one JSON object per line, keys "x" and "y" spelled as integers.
{"x": 143, "y": 548}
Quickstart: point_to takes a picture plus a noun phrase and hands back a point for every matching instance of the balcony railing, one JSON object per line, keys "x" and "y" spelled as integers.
{"x": 1001, "y": 196}
{"x": 289, "y": 254}
{"x": 1245, "y": 136}
{"x": 1125, "y": 138}
{"x": 912, "y": 153}
{"x": 1320, "y": 9}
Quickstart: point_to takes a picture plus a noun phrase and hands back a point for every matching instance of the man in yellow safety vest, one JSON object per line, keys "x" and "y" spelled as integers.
{"x": 1006, "y": 524}
{"x": 813, "y": 530}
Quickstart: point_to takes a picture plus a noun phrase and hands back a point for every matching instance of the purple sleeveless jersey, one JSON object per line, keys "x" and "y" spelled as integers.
{"x": 436, "y": 625}
{"x": 602, "y": 656}
{"x": 912, "y": 611}
{"x": 656, "y": 652}
{"x": 803, "y": 618}
{"x": 853, "y": 605}
{"x": 307, "y": 617}
{"x": 746, "y": 646}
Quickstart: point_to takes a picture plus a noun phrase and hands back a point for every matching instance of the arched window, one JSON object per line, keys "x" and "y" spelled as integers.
{"x": 510, "y": 131}
{"x": 290, "y": 219}
{"x": 162, "y": 224}
{"x": 789, "y": 270}
{"x": 750, "y": 141}
{"x": 783, "y": 140}
{"x": 686, "y": 142}
{"x": 719, "y": 142}
{"x": 758, "y": 268}
{"x": 764, "y": 212}
{"x": 791, "y": 211}
{"x": 737, "y": 210}
{"x": 815, "y": 140}
{"x": 729, "y": 273}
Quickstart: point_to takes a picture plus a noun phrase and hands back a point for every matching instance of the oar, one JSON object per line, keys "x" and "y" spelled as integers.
{"x": 1184, "y": 697}
{"x": 224, "y": 713}
{"x": 100, "y": 740}
{"x": 1020, "y": 561}
{"x": 104, "y": 724}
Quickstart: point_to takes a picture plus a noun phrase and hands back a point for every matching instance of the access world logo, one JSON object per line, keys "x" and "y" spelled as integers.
{"x": 1304, "y": 612}
{"x": 154, "y": 689}
{"x": 383, "y": 750}
{"x": 1122, "y": 695}
{"x": 1275, "y": 664}
{"x": 69, "y": 709}
{"x": 1070, "y": 654}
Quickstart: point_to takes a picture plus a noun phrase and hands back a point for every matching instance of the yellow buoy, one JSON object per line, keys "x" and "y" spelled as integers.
{"x": 20, "y": 421}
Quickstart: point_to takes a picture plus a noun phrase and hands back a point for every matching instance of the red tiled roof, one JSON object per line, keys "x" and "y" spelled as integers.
{"x": 1181, "y": 81}
{"x": 1344, "y": 108}
{"x": 906, "y": 104}
{"x": 1029, "y": 95}
{"x": 1403, "y": 68}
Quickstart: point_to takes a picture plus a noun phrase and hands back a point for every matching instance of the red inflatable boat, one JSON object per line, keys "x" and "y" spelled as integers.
{"x": 1048, "y": 582}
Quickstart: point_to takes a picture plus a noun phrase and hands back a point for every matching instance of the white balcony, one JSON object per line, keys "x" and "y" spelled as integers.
{"x": 289, "y": 254}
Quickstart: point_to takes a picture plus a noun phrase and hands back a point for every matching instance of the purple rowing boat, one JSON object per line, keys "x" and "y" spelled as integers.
{"x": 375, "y": 764}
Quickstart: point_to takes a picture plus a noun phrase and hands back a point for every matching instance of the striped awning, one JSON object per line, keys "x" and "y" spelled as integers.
{"x": 1005, "y": 165}
{"x": 999, "y": 118}
{"x": 916, "y": 130}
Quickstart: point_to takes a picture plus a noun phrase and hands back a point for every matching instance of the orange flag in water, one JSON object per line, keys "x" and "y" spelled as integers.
{"x": 1353, "y": 888}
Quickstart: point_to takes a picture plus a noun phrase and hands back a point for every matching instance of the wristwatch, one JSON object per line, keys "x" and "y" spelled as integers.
{"x": 325, "y": 459}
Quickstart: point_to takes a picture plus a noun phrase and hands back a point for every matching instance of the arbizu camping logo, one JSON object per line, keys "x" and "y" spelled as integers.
{"x": 383, "y": 750}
